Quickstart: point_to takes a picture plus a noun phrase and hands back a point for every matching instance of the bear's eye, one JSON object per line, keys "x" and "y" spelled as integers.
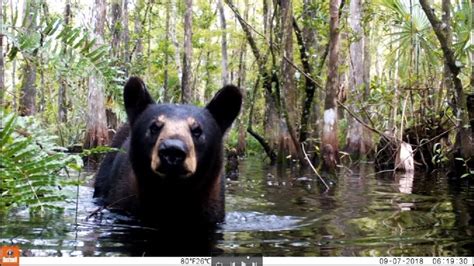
{"x": 155, "y": 128}
{"x": 196, "y": 130}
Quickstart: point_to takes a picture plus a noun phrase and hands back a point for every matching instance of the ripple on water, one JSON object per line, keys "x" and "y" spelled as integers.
{"x": 256, "y": 221}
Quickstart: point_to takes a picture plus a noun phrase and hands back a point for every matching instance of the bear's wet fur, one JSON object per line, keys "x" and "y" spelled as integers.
{"x": 169, "y": 169}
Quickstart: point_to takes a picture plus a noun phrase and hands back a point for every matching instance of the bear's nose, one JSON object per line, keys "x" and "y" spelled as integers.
{"x": 172, "y": 152}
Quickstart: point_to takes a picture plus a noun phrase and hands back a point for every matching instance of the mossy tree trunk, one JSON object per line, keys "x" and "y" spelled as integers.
{"x": 329, "y": 141}
{"x": 464, "y": 143}
{"x": 62, "y": 93}
{"x": 96, "y": 128}
{"x": 224, "y": 72}
{"x": 28, "y": 81}
{"x": 2, "y": 63}
{"x": 241, "y": 83}
{"x": 186, "y": 80}
{"x": 357, "y": 140}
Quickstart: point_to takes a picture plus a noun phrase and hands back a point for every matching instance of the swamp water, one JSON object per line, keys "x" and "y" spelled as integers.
{"x": 275, "y": 212}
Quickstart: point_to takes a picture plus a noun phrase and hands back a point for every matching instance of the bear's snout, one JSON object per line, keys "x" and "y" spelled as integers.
{"x": 172, "y": 153}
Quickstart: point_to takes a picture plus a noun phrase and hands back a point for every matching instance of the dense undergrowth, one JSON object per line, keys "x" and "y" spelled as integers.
{"x": 34, "y": 169}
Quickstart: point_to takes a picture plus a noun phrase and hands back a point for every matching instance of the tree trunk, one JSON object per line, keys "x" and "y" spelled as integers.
{"x": 174, "y": 39}
{"x": 126, "y": 38}
{"x": 116, "y": 27}
{"x": 198, "y": 95}
{"x": 186, "y": 81}
{"x": 225, "y": 74}
{"x": 41, "y": 64}
{"x": 13, "y": 72}
{"x": 266, "y": 147}
{"x": 166, "y": 93}
{"x": 271, "y": 122}
{"x": 329, "y": 141}
{"x": 96, "y": 129}
{"x": 267, "y": 81}
{"x": 267, "y": 18}
{"x": 367, "y": 134}
{"x": 289, "y": 99}
{"x": 447, "y": 83}
{"x": 207, "y": 93}
{"x": 117, "y": 30}
{"x": 464, "y": 138}
{"x": 306, "y": 39}
{"x": 138, "y": 29}
{"x": 367, "y": 62}
{"x": 241, "y": 83}
{"x": 310, "y": 85}
{"x": 356, "y": 143}
{"x": 2, "y": 64}
{"x": 62, "y": 93}
{"x": 28, "y": 82}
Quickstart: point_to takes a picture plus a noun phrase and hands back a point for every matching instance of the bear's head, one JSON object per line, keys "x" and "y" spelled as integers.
{"x": 175, "y": 143}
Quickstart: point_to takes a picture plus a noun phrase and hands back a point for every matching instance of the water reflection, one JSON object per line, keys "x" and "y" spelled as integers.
{"x": 405, "y": 181}
{"x": 277, "y": 212}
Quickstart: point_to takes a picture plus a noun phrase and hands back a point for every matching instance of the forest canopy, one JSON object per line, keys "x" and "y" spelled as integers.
{"x": 322, "y": 80}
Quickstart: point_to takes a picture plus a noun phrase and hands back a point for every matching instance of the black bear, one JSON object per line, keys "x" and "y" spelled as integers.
{"x": 169, "y": 167}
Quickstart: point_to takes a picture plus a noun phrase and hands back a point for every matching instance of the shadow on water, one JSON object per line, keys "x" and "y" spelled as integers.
{"x": 276, "y": 212}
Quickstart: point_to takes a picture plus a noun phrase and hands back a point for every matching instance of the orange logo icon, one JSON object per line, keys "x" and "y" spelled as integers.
{"x": 10, "y": 256}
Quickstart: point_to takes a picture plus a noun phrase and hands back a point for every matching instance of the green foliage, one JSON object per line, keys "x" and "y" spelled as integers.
{"x": 69, "y": 54}
{"x": 72, "y": 49}
{"x": 252, "y": 147}
{"x": 31, "y": 165}
{"x": 462, "y": 27}
{"x": 412, "y": 42}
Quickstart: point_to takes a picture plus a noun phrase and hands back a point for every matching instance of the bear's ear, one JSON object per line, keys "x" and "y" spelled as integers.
{"x": 225, "y": 106}
{"x": 136, "y": 98}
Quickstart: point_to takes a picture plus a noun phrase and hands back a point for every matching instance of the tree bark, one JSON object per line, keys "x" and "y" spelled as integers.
{"x": 241, "y": 83}
{"x": 138, "y": 29}
{"x": 464, "y": 141}
{"x": 305, "y": 38}
{"x": 288, "y": 71}
{"x": 267, "y": 17}
{"x": 447, "y": 83}
{"x": 62, "y": 93}
{"x": 225, "y": 74}
{"x": 96, "y": 128}
{"x": 310, "y": 85}
{"x": 198, "y": 94}
{"x": 267, "y": 81}
{"x": 367, "y": 61}
{"x": 13, "y": 72}
{"x": 41, "y": 64}
{"x": 329, "y": 141}
{"x": 174, "y": 39}
{"x": 266, "y": 146}
{"x": 126, "y": 38}
{"x": 28, "y": 82}
{"x": 2, "y": 63}
{"x": 367, "y": 134}
{"x": 116, "y": 27}
{"x": 186, "y": 81}
{"x": 356, "y": 144}
{"x": 289, "y": 99}
{"x": 166, "y": 92}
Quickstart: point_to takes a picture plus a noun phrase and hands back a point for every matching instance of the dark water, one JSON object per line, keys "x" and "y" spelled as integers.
{"x": 276, "y": 212}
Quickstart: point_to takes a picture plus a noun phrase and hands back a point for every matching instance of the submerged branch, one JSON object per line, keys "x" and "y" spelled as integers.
{"x": 312, "y": 167}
